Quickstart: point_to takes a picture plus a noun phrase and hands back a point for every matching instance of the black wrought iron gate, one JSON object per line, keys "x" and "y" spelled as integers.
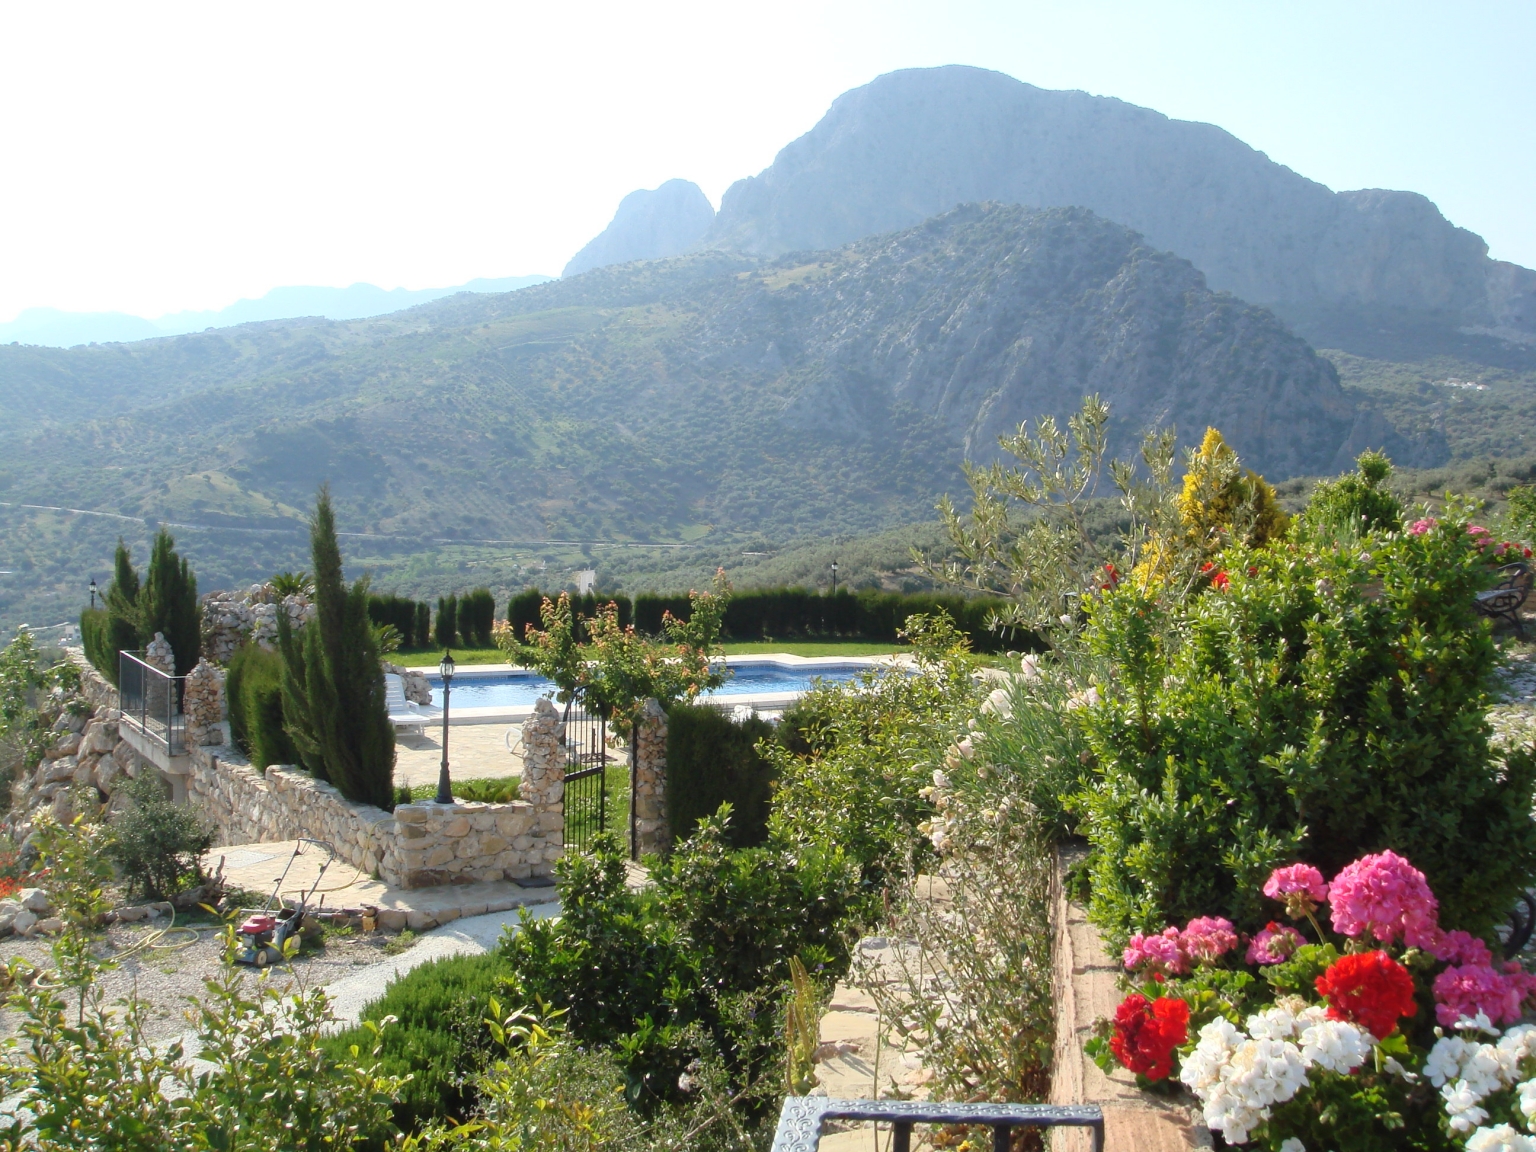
{"x": 587, "y": 760}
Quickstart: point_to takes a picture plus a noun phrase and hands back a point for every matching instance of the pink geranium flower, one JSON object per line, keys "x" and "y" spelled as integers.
{"x": 1157, "y": 953}
{"x": 1208, "y": 938}
{"x": 1419, "y": 527}
{"x": 1300, "y": 887}
{"x": 1467, "y": 989}
{"x": 1274, "y": 944}
{"x": 1456, "y": 947}
{"x": 1386, "y": 897}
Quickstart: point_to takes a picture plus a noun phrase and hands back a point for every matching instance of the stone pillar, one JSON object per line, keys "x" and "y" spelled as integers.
{"x": 158, "y": 654}
{"x": 652, "y": 831}
{"x": 543, "y": 785}
{"x": 203, "y": 703}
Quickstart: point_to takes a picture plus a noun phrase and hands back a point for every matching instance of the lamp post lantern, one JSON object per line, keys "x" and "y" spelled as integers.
{"x": 834, "y": 577}
{"x": 93, "y": 593}
{"x": 444, "y": 785}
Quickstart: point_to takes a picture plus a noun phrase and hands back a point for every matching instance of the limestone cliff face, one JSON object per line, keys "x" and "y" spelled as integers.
{"x": 915, "y": 143}
{"x": 649, "y": 225}
{"x": 993, "y": 314}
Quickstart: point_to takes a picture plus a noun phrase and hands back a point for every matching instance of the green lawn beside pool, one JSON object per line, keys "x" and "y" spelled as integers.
{"x": 429, "y": 657}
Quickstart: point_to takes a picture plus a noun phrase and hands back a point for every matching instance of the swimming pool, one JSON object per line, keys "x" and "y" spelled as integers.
{"x": 519, "y": 690}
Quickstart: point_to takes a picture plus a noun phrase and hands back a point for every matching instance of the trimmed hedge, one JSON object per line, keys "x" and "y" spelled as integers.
{"x": 785, "y": 613}
{"x": 523, "y": 609}
{"x": 445, "y": 630}
{"x": 406, "y": 615}
{"x": 712, "y": 759}
{"x": 477, "y": 612}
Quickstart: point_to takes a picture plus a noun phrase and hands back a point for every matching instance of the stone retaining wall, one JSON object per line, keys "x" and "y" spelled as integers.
{"x": 416, "y": 846}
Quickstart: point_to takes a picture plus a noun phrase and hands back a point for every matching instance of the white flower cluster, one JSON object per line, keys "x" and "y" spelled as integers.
{"x": 1467, "y": 1072}
{"x": 1239, "y": 1077}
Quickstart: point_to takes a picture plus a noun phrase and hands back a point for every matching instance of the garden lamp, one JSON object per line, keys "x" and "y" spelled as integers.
{"x": 93, "y": 593}
{"x": 444, "y": 786}
{"x": 834, "y": 577}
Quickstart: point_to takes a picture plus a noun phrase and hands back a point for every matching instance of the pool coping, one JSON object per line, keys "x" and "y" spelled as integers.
{"x": 759, "y": 701}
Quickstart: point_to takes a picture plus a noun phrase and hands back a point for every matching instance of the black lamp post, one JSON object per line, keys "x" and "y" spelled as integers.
{"x": 834, "y": 578}
{"x": 444, "y": 786}
{"x": 93, "y": 593}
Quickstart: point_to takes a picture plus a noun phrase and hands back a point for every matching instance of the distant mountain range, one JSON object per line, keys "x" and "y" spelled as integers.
{"x": 1341, "y": 266}
{"x": 53, "y": 328}
{"x": 816, "y": 391}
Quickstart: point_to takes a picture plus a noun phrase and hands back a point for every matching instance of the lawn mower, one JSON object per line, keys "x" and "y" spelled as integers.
{"x": 262, "y": 935}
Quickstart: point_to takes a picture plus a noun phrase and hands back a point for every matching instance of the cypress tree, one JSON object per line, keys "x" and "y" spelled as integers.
{"x": 117, "y": 628}
{"x": 422, "y": 636}
{"x": 168, "y": 602}
{"x": 341, "y": 726}
{"x": 447, "y": 633}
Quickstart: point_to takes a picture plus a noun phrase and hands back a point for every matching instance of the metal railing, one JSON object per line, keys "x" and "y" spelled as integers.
{"x": 801, "y": 1119}
{"x": 150, "y": 700}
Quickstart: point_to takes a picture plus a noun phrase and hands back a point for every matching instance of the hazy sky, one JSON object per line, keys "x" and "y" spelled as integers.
{"x": 158, "y": 156}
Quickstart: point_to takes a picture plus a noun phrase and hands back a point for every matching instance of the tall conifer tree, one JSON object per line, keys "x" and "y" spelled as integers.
{"x": 168, "y": 603}
{"x": 333, "y": 684}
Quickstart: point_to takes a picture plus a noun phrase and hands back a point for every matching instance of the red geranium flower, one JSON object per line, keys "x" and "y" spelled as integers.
{"x": 1370, "y": 989}
{"x": 1220, "y": 581}
{"x": 1147, "y": 1032}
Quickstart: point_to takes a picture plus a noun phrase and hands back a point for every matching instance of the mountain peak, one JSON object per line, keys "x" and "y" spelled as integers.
{"x": 915, "y": 143}
{"x": 650, "y": 224}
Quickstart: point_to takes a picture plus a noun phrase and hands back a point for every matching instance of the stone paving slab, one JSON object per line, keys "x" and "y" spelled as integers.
{"x": 474, "y": 751}
{"x": 257, "y": 867}
{"x": 1087, "y": 988}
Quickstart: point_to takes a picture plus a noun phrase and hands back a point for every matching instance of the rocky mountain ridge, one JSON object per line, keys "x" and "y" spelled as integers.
{"x": 916, "y": 143}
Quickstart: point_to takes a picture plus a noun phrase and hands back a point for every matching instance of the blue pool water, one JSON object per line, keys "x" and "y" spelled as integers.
{"x": 521, "y": 689}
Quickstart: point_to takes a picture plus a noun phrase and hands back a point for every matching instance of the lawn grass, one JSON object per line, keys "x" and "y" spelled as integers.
{"x": 429, "y": 657}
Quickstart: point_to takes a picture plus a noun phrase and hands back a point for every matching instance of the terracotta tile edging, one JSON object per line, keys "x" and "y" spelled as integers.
{"x": 1085, "y": 983}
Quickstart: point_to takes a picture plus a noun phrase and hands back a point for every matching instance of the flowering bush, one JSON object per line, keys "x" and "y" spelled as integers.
{"x": 1339, "y": 1043}
{"x": 1328, "y": 702}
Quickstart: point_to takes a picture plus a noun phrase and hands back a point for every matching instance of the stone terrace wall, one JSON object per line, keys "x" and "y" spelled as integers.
{"x": 419, "y": 845}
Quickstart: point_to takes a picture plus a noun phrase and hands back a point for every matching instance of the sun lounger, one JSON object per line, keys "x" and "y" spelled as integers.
{"x": 403, "y": 713}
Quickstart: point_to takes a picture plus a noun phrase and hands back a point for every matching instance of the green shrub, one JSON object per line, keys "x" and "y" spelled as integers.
{"x": 487, "y": 790}
{"x": 445, "y": 630}
{"x": 253, "y": 690}
{"x": 1322, "y": 706}
{"x": 438, "y": 1038}
{"x": 713, "y": 760}
{"x": 94, "y": 623}
{"x": 853, "y": 760}
{"x": 157, "y": 843}
{"x": 690, "y": 968}
{"x": 1358, "y": 502}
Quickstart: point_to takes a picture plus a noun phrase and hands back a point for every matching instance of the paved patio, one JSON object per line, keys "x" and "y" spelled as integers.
{"x": 475, "y": 751}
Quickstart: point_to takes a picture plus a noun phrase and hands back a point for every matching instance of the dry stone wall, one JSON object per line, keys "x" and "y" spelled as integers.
{"x": 230, "y": 618}
{"x": 416, "y": 846}
{"x": 652, "y": 830}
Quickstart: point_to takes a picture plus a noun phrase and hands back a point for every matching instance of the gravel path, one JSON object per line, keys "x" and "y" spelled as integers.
{"x": 354, "y": 969}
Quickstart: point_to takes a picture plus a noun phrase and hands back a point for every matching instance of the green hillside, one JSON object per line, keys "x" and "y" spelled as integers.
{"x": 655, "y": 420}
